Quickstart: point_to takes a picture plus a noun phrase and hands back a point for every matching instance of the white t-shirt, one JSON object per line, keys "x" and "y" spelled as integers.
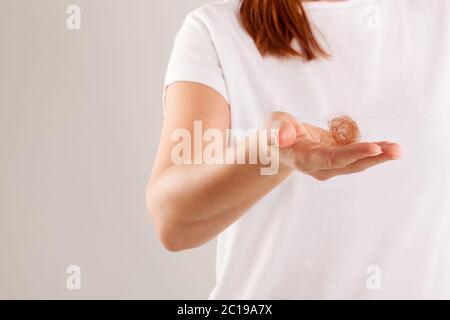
{"x": 381, "y": 234}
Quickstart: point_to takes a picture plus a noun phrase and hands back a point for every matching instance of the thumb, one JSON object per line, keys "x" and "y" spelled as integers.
{"x": 282, "y": 133}
{"x": 287, "y": 135}
{"x": 286, "y": 130}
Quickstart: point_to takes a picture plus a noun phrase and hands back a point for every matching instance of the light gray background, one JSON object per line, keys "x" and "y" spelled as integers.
{"x": 80, "y": 115}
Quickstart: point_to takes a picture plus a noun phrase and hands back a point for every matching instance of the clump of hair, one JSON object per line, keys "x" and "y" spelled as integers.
{"x": 344, "y": 130}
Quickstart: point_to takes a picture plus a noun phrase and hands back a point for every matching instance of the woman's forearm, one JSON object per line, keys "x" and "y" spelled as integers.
{"x": 192, "y": 204}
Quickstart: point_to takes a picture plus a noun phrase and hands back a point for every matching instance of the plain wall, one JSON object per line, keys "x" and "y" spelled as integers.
{"x": 80, "y": 117}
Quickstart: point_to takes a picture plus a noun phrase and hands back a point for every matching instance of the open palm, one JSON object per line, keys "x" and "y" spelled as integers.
{"x": 314, "y": 151}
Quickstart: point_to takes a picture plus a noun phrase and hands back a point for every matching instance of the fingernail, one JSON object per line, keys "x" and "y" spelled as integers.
{"x": 378, "y": 151}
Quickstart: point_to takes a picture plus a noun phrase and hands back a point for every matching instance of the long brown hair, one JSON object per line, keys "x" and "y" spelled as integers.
{"x": 275, "y": 24}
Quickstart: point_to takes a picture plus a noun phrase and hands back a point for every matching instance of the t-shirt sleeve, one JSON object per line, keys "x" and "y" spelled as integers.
{"x": 194, "y": 57}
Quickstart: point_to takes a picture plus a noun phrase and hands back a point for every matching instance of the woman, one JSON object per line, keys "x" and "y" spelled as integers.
{"x": 298, "y": 234}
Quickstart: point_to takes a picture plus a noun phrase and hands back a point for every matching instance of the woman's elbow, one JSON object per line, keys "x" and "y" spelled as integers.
{"x": 177, "y": 237}
{"x": 172, "y": 241}
{"x": 173, "y": 234}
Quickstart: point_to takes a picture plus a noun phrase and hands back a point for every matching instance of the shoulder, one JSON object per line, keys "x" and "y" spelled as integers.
{"x": 205, "y": 39}
{"x": 216, "y": 15}
{"x": 216, "y": 9}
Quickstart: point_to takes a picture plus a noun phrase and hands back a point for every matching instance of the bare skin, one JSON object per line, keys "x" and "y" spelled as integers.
{"x": 192, "y": 204}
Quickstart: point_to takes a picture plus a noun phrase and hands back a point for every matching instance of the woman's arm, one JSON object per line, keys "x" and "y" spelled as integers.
{"x": 192, "y": 204}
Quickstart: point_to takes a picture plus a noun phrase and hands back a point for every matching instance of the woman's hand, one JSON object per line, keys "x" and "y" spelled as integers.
{"x": 192, "y": 204}
{"x": 314, "y": 151}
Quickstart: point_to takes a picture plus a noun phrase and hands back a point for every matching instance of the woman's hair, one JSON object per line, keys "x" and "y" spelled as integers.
{"x": 275, "y": 25}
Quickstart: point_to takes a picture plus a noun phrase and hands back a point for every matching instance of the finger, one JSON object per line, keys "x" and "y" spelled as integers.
{"x": 339, "y": 157}
{"x": 357, "y": 167}
{"x": 281, "y": 134}
{"x": 288, "y": 130}
{"x": 302, "y": 132}
{"x": 280, "y": 117}
{"x": 392, "y": 150}
{"x": 287, "y": 135}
